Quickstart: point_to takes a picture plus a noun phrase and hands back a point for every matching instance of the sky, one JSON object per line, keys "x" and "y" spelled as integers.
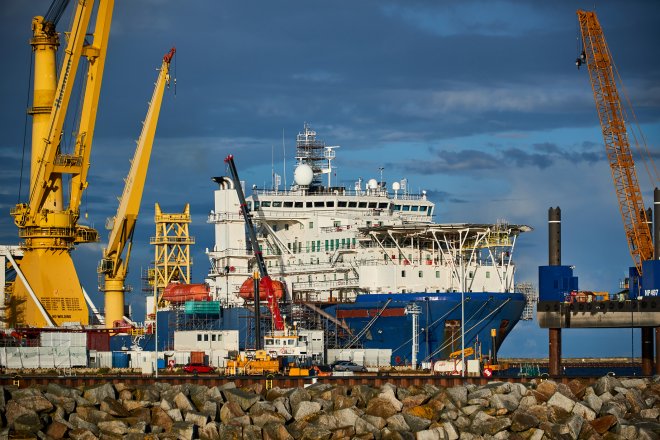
{"x": 479, "y": 103}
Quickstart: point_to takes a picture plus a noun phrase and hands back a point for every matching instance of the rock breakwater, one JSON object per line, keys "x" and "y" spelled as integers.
{"x": 609, "y": 408}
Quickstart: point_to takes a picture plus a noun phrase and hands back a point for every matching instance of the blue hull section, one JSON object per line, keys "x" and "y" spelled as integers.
{"x": 439, "y": 322}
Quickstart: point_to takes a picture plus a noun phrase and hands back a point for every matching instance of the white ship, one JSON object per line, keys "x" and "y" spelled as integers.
{"x": 345, "y": 252}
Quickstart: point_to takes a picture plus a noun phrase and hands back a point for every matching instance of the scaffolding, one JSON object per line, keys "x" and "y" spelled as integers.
{"x": 314, "y": 153}
{"x": 531, "y": 298}
{"x": 172, "y": 262}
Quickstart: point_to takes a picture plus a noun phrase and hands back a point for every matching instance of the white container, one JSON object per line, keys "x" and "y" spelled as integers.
{"x": 205, "y": 340}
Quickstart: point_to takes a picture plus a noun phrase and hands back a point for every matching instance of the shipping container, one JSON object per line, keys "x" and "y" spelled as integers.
{"x": 119, "y": 359}
{"x": 197, "y": 357}
{"x": 63, "y": 339}
{"x": 198, "y": 340}
{"x": 98, "y": 340}
{"x": 202, "y": 307}
{"x": 104, "y": 359}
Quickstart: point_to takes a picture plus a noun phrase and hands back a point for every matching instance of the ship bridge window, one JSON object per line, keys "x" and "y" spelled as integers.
{"x": 382, "y": 205}
{"x": 406, "y": 207}
{"x": 330, "y": 204}
{"x": 265, "y": 204}
{"x": 311, "y": 225}
{"x": 423, "y": 208}
{"x": 414, "y": 208}
{"x": 309, "y": 204}
{"x": 269, "y": 342}
{"x": 212, "y": 338}
{"x": 206, "y": 338}
{"x": 403, "y": 274}
{"x": 256, "y": 206}
{"x": 249, "y": 206}
{"x": 286, "y": 226}
{"x": 292, "y": 342}
{"x": 420, "y": 274}
{"x": 373, "y": 205}
{"x": 352, "y": 204}
{"x": 299, "y": 204}
{"x": 277, "y": 204}
{"x": 288, "y": 204}
{"x": 318, "y": 204}
{"x": 362, "y": 205}
{"x": 341, "y": 204}
{"x": 336, "y": 223}
{"x": 199, "y": 337}
{"x": 397, "y": 207}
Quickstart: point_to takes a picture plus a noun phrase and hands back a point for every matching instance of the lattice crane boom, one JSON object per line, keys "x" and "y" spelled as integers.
{"x": 599, "y": 62}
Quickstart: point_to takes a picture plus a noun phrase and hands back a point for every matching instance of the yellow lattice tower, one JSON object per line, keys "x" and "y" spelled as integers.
{"x": 172, "y": 249}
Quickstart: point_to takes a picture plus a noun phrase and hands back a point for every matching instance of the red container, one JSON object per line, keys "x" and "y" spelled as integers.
{"x": 98, "y": 340}
{"x": 197, "y": 357}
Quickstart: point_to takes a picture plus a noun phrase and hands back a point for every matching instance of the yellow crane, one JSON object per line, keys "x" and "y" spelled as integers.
{"x": 47, "y": 225}
{"x": 122, "y": 225}
{"x": 598, "y": 58}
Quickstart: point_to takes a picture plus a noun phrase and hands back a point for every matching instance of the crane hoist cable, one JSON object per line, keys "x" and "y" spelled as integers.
{"x": 25, "y": 131}
{"x": 55, "y": 11}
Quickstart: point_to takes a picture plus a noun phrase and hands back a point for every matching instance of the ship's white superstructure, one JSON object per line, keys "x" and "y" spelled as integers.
{"x": 329, "y": 243}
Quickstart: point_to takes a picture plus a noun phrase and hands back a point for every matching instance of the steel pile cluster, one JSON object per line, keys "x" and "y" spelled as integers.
{"x": 609, "y": 408}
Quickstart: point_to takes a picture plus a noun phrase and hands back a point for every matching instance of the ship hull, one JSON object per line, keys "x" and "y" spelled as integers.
{"x": 439, "y": 322}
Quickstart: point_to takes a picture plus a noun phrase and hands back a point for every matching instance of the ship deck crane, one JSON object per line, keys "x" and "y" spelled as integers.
{"x": 598, "y": 58}
{"x": 113, "y": 267}
{"x": 47, "y": 225}
{"x": 266, "y": 284}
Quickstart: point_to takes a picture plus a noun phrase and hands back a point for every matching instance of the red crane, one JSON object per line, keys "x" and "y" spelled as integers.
{"x": 265, "y": 284}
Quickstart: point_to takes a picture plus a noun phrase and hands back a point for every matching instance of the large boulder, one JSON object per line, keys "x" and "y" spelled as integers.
{"x": 381, "y": 407}
{"x": 96, "y": 394}
{"x": 305, "y": 409}
{"x": 243, "y": 398}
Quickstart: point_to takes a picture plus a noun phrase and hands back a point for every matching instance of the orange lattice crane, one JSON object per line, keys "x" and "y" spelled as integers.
{"x": 599, "y": 62}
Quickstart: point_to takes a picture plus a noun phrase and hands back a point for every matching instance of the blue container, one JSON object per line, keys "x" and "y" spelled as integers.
{"x": 651, "y": 278}
{"x": 555, "y": 282}
{"x": 161, "y": 364}
{"x": 119, "y": 359}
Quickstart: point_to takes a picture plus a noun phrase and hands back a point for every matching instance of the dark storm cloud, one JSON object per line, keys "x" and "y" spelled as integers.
{"x": 541, "y": 156}
{"x": 444, "y": 197}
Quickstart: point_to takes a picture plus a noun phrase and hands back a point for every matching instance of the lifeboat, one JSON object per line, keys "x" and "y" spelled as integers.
{"x": 247, "y": 289}
{"x": 180, "y": 293}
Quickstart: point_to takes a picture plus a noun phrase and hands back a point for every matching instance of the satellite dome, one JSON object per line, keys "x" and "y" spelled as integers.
{"x": 372, "y": 184}
{"x": 396, "y": 186}
{"x": 303, "y": 175}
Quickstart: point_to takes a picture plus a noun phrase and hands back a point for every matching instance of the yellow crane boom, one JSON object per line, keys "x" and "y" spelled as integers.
{"x": 122, "y": 225}
{"x": 600, "y": 65}
{"x": 48, "y": 225}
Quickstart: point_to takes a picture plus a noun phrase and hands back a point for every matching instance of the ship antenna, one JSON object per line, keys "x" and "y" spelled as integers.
{"x": 272, "y": 166}
{"x": 284, "y": 152}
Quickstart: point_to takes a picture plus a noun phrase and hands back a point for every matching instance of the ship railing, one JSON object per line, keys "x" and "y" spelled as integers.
{"x": 218, "y": 217}
{"x": 344, "y": 192}
{"x": 324, "y": 285}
